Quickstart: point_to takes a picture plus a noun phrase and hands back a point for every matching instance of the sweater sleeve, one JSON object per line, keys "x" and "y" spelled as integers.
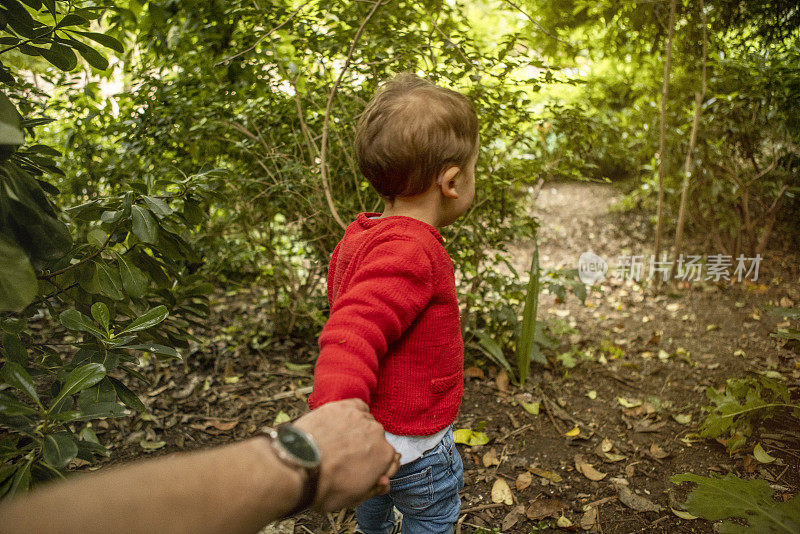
{"x": 388, "y": 290}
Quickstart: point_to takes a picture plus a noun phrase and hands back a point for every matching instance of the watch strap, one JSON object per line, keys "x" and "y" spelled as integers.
{"x": 309, "y": 491}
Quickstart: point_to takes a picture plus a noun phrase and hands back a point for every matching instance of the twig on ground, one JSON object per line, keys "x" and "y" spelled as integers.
{"x": 514, "y": 432}
{"x": 480, "y": 507}
{"x": 550, "y": 415}
{"x": 286, "y": 394}
{"x": 333, "y": 523}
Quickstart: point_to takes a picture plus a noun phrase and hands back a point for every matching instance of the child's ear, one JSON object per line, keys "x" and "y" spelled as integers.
{"x": 447, "y": 182}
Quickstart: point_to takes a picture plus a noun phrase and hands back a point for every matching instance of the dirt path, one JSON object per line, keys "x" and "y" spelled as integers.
{"x": 654, "y": 354}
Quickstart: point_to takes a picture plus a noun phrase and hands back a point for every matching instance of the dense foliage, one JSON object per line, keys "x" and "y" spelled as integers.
{"x": 121, "y": 255}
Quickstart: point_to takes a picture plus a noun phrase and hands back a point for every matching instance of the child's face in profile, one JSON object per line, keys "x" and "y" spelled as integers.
{"x": 467, "y": 186}
{"x": 462, "y": 184}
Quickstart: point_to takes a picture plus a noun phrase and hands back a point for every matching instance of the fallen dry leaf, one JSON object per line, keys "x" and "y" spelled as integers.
{"x": 541, "y": 508}
{"x": 549, "y": 475}
{"x": 501, "y": 493}
{"x": 761, "y": 455}
{"x": 636, "y": 502}
{"x": 222, "y": 426}
{"x": 513, "y": 517}
{"x": 657, "y": 452}
{"x": 644, "y": 425}
{"x": 502, "y": 380}
{"x": 682, "y": 514}
{"x": 490, "y": 458}
{"x": 151, "y": 445}
{"x": 523, "y": 480}
{"x": 587, "y": 470}
{"x": 474, "y": 372}
{"x": 589, "y": 519}
{"x": 188, "y": 390}
{"x": 563, "y": 522}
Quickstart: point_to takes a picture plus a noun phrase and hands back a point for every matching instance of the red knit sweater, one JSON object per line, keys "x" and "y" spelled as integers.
{"x": 393, "y": 338}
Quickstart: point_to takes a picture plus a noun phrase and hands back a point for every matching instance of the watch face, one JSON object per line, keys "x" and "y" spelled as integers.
{"x": 296, "y": 444}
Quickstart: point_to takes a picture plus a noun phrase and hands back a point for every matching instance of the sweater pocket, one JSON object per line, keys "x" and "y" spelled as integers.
{"x": 444, "y": 384}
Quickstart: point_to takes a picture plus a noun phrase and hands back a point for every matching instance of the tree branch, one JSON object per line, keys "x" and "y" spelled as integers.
{"x": 323, "y": 164}
{"x": 263, "y": 37}
{"x": 543, "y": 30}
{"x": 84, "y": 260}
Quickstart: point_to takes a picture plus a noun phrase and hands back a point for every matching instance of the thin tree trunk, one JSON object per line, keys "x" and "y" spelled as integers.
{"x": 687, "y": 165}
{"x": 769, "y": 222}
{"x": 663, "y": 129}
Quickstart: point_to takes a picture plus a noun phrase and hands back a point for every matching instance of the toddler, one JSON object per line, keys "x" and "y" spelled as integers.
{"x": 394, "y": 338}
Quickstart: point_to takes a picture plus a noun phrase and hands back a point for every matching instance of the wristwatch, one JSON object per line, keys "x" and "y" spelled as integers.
{"x": 297, "y": 449}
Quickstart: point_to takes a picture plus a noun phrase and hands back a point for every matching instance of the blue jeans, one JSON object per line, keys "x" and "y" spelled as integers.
{"x": 425, "y": 491}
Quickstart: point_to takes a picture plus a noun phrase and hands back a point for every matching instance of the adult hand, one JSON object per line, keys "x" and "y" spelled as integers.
{"x": 357, "y": 461}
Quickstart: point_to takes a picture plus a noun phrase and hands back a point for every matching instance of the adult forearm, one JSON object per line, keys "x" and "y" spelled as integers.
{"x": 232, "y": 489}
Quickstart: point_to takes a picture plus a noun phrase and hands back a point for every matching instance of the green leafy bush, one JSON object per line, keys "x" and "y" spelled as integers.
{"x": 730, "y": 497}
{"x": 790, "y": 334}
{"x": 743, "y": 403}
{"x": 85, "y": 289}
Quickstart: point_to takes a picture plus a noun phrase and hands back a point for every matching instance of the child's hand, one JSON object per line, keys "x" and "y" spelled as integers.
{"x": 382, "y": 487}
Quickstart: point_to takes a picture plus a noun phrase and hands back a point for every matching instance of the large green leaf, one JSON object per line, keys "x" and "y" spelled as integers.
{"x": 101, "y": 392}
{"x": 729, "y": 496}
{"x": 9, "y": 406}
{"x": 21, "y": 480}
{"x": 92, "y": 56}
{"x": 103, "y": 410}
{"x": 60, "y": 56}
{"x": 143, "y": 224}
{"x": 150, "y": 318}
{"x": 160, "y": 208}
{"x": 155, "y": 348}
{"x": 72, "y": 20}
{"x": 103, "y": 39}
{"x": 14, "y": 350}
{"x": 134, "y": 281}
{"x": 127, "y": 396}
{"x": 10, "y": 131}
{"x": 525, "y": 343}
{"x": 75, "y": 320}
{"x": 17, "y": 280}
{"x": 100, "y": 314}
{"x": 110, "y": 281}
{"x": 32, "y": 217}
{"x": 80, "y": 378}
{"x": 59, "y": 449}
{"x": 16, "y": 375}
{"x": 489, "y": 347}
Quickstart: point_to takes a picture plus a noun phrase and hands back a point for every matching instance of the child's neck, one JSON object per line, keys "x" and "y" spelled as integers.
{"x": 423, "y": 207}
